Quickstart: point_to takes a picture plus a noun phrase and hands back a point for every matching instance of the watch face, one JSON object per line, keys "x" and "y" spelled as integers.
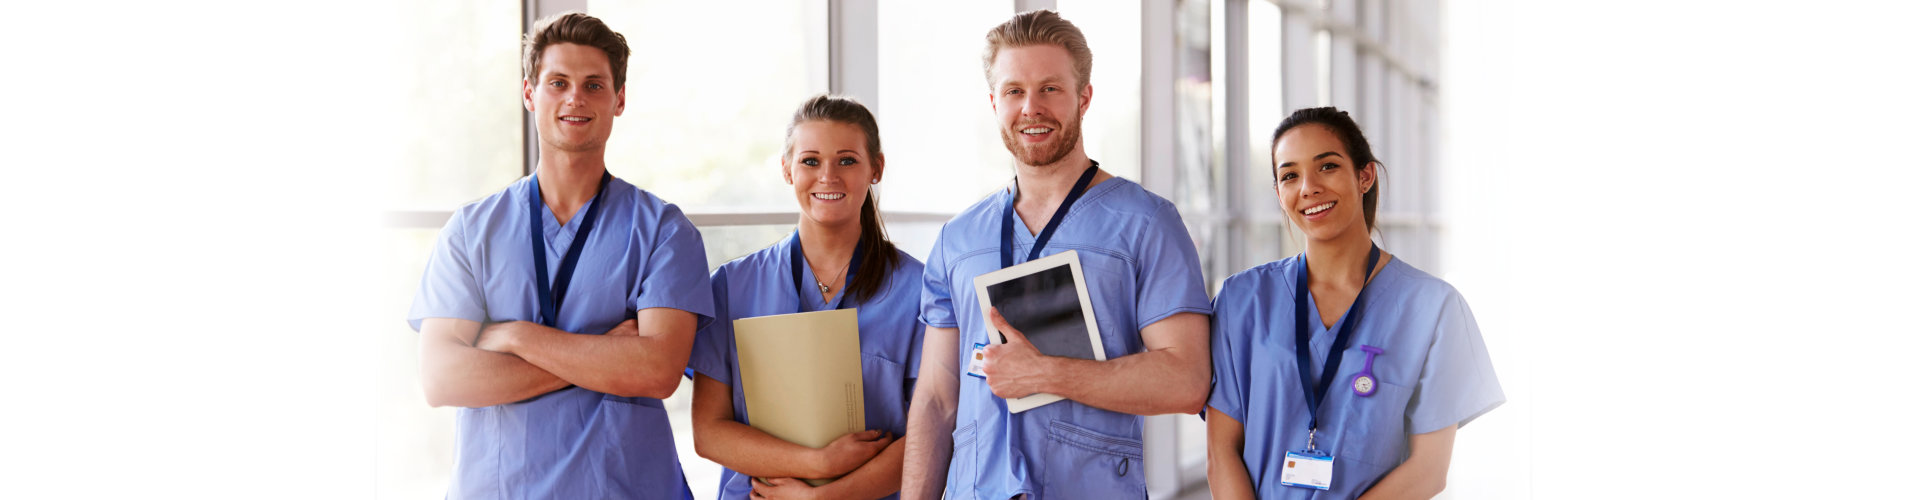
{"x": 1363, "y": 384}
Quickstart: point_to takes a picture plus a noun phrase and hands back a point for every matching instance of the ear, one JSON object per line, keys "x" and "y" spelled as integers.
{"x": 879, "y": 166}
{"x": 992, "y": 103}
{"x": 786, "y": 168}
{"x": 1367, "y": 176}
{"x": 620, "y": 101}
{"x": 1086, "y": 98}
{"x": 526, "y": 94}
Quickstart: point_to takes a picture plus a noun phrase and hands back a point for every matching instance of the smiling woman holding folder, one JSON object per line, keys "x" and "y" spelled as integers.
{"x": 838, "y": 258}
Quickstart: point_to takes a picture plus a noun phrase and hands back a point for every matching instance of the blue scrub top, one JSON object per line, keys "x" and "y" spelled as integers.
{"x": 1434, "y": 372}
{"x": 761, "y": 284}
{"x": 572, "y": 443}
{"x": 1140, "y": 266}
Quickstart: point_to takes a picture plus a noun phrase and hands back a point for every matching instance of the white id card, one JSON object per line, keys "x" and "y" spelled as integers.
{"x": 977, "y": 363}
{"x": 1307, "y": 469}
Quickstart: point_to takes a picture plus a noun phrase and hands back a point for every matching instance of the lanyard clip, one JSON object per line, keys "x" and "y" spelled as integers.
{"x": 1310, "y": 432}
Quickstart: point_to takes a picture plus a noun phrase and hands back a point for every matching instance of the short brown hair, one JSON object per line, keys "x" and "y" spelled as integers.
{"x": 1040, "y": 27}
{"x": 575, "y": 28}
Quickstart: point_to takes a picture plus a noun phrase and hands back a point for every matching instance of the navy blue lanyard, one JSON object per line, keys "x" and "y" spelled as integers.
{"x": 799, "y": 258}
{"x": 550, "y": 297}
{"x": 1316, "y": 392}
{"x": 1039, "y": 242}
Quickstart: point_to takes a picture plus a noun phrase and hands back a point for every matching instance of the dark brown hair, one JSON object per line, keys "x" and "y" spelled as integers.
{"x": 576, "y": 28}
{"x": 1348, "y": 132}
{"x": 879, "y": 258}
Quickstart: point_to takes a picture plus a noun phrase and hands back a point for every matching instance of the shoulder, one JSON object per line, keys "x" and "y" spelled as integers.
{"x": 503, "y": 207}
{"x": 1412, "y": 285}
{"x": 1269, "y": 281}
{"x": 758, "y": 263}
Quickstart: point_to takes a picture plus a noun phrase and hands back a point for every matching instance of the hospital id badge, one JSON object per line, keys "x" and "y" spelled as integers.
{"x": 1308, "y": 469}
{"x": 977, "y": 363}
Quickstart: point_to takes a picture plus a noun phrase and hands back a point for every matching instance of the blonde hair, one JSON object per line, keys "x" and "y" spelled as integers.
{"x": 1040, "y": 27}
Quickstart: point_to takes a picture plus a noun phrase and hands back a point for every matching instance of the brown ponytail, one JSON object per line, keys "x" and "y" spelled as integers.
{"x": 879, "y": 258}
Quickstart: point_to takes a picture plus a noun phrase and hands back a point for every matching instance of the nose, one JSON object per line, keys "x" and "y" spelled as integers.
{"x": 1309, "y": 185}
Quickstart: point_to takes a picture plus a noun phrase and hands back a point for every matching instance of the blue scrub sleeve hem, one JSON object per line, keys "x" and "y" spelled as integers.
{"x": 724, "y": 378}
{"x": 1462, "y": 421}
{"x": 1203, "y": 311}
{"x": 931, "y": 324}
{"x": 700, "y": 319}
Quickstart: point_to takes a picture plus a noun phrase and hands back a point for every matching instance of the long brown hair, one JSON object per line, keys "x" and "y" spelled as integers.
{"x": 879, "y": 257}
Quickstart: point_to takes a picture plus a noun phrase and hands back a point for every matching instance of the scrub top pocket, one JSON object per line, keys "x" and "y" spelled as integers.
{"x": 961, "y": 471}
{"x": 1083, "y": 463}
{"x": 1376, "y": 426}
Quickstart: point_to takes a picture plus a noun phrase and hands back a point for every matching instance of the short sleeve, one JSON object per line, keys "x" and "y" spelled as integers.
{"x": 449, "y": 288}
{"x": 936, "y": 296}
{"x": 713, "y": 344}
{"x": 1457, "y": 384}
{"x": 675, "y": 272}
{"x": 1228, "y": 392}
{"x": 1171, "y": 281}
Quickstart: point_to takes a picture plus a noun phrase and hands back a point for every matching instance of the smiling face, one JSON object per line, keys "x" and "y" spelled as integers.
{"x": 831, "y": 171}
{"x": 572, "y": 98}
{"x": 1319, "y": 186}
{"x": 1037, "y": 102}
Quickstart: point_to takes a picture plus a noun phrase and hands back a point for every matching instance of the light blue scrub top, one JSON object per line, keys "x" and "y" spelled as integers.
{"x": 761, "y": 284}
{"x": 1140, "y": 268}
{"x": 1434, "y": 372}
{"x": 572, "y": 443}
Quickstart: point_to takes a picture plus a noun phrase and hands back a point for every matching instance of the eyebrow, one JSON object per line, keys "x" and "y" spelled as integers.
{"x": 551, "y": 74}
{"x": 805, "y": 151}
{"x": 1316, "y": 157}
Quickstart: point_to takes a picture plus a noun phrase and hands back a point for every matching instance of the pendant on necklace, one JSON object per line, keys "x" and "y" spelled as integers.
{"x": 823, "y": 287}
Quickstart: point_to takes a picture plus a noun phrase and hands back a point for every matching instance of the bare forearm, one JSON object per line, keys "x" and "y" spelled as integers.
{"x": 875, "y": 479}
{"x": 453, "y": 373}
{"x": 626, "y": 365}
{"x": 930, "y": 418}
{"x": 1148, "y": 383}
{"x": 929, "y": 448}
{"x": 1424, "y": 474}
{"x": 753, "y": 452}
{"x": 1227, "y": 476}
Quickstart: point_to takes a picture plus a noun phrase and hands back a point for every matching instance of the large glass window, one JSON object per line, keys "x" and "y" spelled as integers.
{"x": 464, "y": 101}
{"x": 937, "y": 125}
{"x": 710, "y": 90}
{"x": 1112, "y": 126}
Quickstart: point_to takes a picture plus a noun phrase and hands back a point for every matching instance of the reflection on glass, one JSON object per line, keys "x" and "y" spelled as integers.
{"x": 936, "y": 124}
{"x": 462, "y": 86}
{"x": 1112, "y": 126}
{"x": 708, "y": 99}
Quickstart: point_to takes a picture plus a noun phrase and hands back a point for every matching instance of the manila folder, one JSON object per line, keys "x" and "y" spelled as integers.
{"x": 801, "y": 373}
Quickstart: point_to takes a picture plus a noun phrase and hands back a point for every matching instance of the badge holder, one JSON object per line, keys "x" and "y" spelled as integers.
{"x": 977, "y": 363}
{"x": 1308, "y": 468}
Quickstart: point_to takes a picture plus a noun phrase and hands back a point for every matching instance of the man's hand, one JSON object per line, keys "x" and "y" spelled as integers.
{"x": 784, "y": 488}
{"x": 1015, "y": 369}
{"x": 849, "y": 452}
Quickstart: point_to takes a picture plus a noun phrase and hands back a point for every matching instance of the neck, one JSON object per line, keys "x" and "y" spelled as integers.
{"x": 828, "y": 249}
{"x": 1043, "y": 187}
{"x": 1338, "y": 261}
{"x": 567, "y": 182}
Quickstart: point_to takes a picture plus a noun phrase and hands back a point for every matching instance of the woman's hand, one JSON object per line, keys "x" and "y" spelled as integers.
{"x": 849, "y": 452}
{"x": 784, "y": 488}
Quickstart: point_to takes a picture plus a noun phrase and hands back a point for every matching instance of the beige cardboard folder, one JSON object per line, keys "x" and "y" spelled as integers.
{"x": 801, "y": 374}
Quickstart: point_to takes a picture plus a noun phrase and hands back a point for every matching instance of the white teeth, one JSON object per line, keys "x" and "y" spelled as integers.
{"x": 1318, "y": 208}
{"x": 1035, "y": 130}
{"x": 829, "y": 196}
{"x": 573, "y": 119}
